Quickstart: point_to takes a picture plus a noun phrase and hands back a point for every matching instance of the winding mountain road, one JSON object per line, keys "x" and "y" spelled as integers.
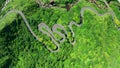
{"x": 64, "y": 35}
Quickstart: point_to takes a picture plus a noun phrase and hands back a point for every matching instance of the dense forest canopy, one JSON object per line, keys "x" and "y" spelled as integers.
{"x": 93, "y": 25}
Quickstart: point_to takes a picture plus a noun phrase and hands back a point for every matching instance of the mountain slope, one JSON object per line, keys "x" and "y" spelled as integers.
{"x": 97, "y": 39}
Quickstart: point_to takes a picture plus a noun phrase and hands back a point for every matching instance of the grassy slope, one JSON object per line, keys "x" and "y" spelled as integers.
{"x": 97, "y": 40}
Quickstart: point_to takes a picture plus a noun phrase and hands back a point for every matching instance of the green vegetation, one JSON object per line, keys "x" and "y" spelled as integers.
{"x": 97, "y": 40}
{"x": 1, "y": 4}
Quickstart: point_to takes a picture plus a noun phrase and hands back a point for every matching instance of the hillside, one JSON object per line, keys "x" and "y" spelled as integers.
{"x": 63, "y": 34}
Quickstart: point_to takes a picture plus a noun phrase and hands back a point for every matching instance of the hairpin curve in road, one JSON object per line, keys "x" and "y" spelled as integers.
{"x": 49, "y": 33}
{"x": 58, "y": 26}
{"x": 111, "y": 12}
